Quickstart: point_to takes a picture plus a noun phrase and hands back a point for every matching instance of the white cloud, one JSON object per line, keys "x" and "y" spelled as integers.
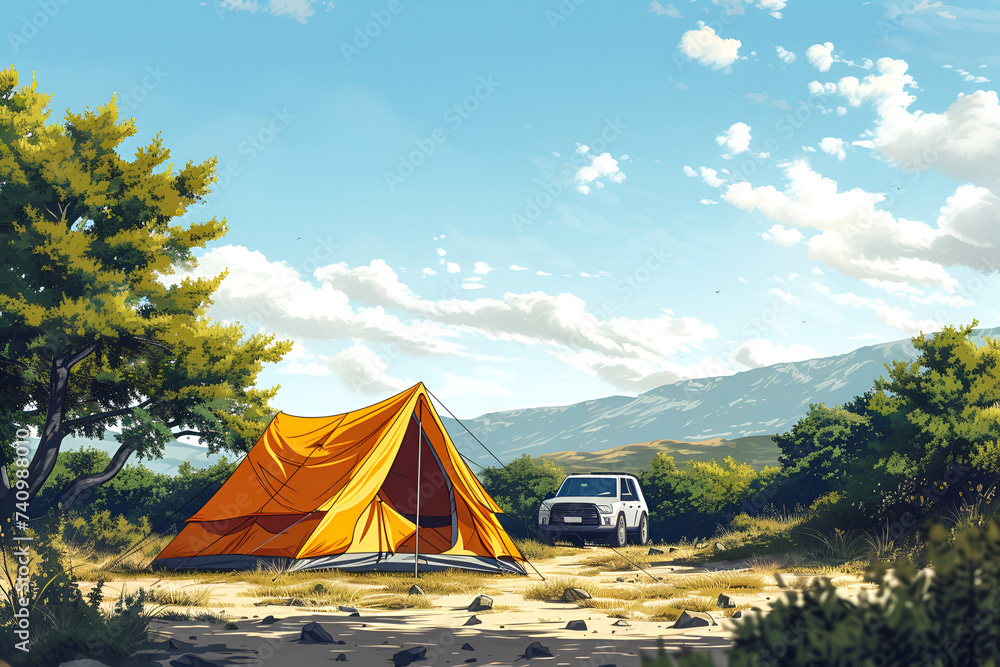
{"x": 658, "y": 9}
{"x": 600, "y": 165}
{"x": 708, "y": 48}
{"x": 833, "y": 146}
{"x": 582, "y": 149}
{"x": 272, "y": 296}
{"x": 361, "y": 369}
{"x": 773, "y": 7}
{"x": 429, "y": 272}
{"x": 453, "y": 267}
{"x": 760, "y": 352}
{"x": 710, "y": 177}
{"x": 708, "y": 202}
{"x": 638, "y": 375}
{"x": 542, "y": 273}
{"x": 483, "y": 269}
{"x": 785, "y": 55}
{"x": 688, "y": 171}
{"x": 736, "y": 139}
{"x": 300, "y": 10}
{"x": 583, "y": 189}
{"x": 786, "y": 237}
{"x": 786, "y": 297}
{"x": 820, "y": 56}
{"x": 517, "y": 267}
{"x": 441, "y": 252}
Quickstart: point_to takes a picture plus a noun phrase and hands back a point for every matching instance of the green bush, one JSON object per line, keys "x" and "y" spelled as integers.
{"x": 107, "y": 533}
{"x": 63, "y": 625}
{"x": 521, "y": 485}
{"x": 944, "y": 616}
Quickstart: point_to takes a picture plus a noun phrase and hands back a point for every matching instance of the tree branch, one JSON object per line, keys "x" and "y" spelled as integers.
{"x": 79, "y": 356}
{"x": 73, "y": 490}
{"x": 90, "y": 419}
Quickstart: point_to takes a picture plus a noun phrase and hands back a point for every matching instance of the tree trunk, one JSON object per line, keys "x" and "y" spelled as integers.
{"x": 44, "y": 460}
{"x": 73, "y": 490}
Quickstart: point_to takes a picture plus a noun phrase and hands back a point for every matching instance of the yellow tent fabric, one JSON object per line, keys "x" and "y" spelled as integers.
{"x": 342, "y": 491}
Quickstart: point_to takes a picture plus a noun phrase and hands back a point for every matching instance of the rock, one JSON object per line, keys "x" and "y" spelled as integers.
{"x": 267, "y": 620}
{"x": 653, "y": 551}
{"x": 670, "y": 550}
{"x": 416, "y": 590}
{"x": 349, "y": 610}
{"x": 408, "y": 655}
{"x": 467, "y": 647}
{"x": 341, "y": 658}
{"x": 319, "y": 588}
{"x": 619, "y": 579}
{"x": 481, "y": 603}
{"x": 472, "y": 621}
{"x": 738, "y": 614}
{"x": 574, "y": 594}
{"x": 576, "y": 625}
{"x": 719, "y": 546}
{"x": 694, "y": 619}
{"x": 536, "y": 650}
{"x": 313, "y": 633}
{"x": 232, "y": 626}
{"x": 700, "y": 545}
{"x": 725, "y": 602}
{"x": 192, "y": 660}
{"x": 622, "y": 623}
{"x": 354, "y": 613}
{"x": 86, "y": 662}
{"x": 173, "y": 645}
{"x": 192, "y": 637}
{"x": 471, "y": 660}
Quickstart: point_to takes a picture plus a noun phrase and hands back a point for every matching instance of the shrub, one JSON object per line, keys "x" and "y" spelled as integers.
{"x": 947, "y": 615}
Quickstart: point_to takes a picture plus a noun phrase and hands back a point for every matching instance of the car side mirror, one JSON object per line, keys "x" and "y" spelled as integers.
{"x": 550, "y": 495}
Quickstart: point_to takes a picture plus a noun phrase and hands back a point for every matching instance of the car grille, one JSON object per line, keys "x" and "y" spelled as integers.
{"x": 586, "y": 511}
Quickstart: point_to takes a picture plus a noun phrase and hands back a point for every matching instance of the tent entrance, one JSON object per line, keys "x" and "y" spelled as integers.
{"x": 438, "y": 523}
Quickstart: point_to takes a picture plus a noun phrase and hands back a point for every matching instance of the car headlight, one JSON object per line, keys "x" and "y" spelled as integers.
{"x": 604, "y": 509}
{"x": 545, "y": 507}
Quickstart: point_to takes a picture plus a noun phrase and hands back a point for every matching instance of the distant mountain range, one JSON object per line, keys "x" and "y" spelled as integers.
{"x": 761, "y": 401}
{"x": 703, "y": 418}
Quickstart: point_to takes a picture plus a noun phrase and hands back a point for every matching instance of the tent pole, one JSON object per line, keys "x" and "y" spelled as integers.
{"x": 416, "y": 551}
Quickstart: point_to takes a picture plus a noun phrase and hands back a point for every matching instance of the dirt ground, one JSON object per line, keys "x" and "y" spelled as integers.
{"x": 373, "y": 636}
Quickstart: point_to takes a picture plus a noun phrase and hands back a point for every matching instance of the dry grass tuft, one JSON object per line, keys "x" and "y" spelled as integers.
{"x": 395, "y": 601}
{"x": 180, "y": 597}
{"x": 552, "y": 589}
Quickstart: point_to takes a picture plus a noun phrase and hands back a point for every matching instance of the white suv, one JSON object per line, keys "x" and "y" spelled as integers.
{"x": 596, "y": 506}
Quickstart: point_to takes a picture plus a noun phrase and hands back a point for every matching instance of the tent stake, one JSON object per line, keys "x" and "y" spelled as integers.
{"x": 416, "y": 551}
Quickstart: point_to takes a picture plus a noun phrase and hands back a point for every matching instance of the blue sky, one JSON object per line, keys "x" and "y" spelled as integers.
{"x": 537, "y": 203}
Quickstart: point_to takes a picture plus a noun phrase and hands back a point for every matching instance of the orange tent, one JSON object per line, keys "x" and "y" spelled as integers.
{"x": 342, "y": 492}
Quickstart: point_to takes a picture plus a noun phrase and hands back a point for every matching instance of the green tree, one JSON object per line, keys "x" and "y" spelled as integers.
{"x": 96, "y": 332}
{"x": 521, "y": 485}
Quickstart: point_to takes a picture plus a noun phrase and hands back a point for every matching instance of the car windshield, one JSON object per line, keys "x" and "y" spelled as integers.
{"x": 606, "y": 487}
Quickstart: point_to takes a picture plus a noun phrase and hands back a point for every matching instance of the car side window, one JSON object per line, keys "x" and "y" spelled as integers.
{"x": 631, "y": 489}
{"x": 628, "y": 491}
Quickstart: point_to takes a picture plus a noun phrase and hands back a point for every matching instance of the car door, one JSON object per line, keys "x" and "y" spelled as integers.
{"x": 630, "y": 499}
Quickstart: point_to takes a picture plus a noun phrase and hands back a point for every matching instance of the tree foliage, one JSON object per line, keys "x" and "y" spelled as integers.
{"x": 521, "y": 485}
{"x": 96, "y": 329}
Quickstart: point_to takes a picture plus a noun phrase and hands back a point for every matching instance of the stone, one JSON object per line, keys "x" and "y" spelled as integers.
{"x": 694, "y": 619}
{"x": 622, "y": 623}
{"x": 724, "y": 602}
{"x": 574, "y": 594}
{"x": 653, "y": 551}
{"x": 192, "y": 660}
{"x": 416, "y": 590}
{"x": 738, "y": 614}
{"x": 670, "y": 550}
{"x": 355, "y": 613}
{"x": 319, "y": 588}
{"x": 576, "y": 625}
{"x": 467, "y": 647}
{"x": 619, "y": 579}
{"x": 192, "y": 637}
{"x": 173, "y": 645}
{"x": 232, "y": 626}
{"x": 349, "y": 610}
{"x": 472, "y": 621}
{"x": 313, "y": 633}
{"x": 341, "y": 658}
{"x": 408, "y": 655}
{"x": 719, "y": 546}
{"x": 267, "y": 620}
{"x": 470, "y": 660}
{"x": 481, "y": 603}
{"x": 536, "y": 650}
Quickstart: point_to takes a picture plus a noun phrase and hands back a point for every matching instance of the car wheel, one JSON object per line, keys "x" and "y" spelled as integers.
{"x": 620, "y": 538}
{"x": 643, "y": 531}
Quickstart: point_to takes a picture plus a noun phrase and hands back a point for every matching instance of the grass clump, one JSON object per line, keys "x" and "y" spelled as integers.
{"x": 309, "y": 594}
{"x": 535, "y": 550}
{"x": 721, "y": 581}
{"x": 395, "y": 601}
{"x": 180, "y": 597}
{"x": 552, "y": 589}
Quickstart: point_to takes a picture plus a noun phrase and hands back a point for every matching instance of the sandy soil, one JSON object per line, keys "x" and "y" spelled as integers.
{"x": 500, "y": 640}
